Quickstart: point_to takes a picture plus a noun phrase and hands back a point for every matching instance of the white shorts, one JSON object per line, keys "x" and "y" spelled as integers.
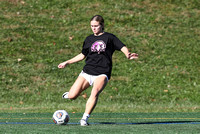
{"x": 91, "y": 78}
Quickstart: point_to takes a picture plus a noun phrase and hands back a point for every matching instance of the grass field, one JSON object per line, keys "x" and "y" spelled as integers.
{"x": 107, "y": 123}
{"x": 37, "y": 35}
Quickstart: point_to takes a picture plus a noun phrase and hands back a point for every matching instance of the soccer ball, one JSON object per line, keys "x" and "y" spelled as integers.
{"x": 60, "y": 117}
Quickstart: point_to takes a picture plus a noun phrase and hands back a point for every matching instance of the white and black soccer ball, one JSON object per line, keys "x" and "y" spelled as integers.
{"x": 60, "y": 117}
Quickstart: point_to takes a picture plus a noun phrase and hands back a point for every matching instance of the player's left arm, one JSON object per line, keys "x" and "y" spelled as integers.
{"x": 128, "y": 54}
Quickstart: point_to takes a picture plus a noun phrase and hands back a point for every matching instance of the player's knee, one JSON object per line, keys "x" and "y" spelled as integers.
{"x": 72, "y": 96}
{"x": 95, "y": 94}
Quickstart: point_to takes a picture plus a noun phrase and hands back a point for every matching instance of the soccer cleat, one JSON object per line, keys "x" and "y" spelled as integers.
{"x": 83, "y": 122}
{"x": 65, "y": 95}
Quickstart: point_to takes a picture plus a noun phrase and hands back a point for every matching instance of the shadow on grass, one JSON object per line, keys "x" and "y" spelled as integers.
{"x": 111, "y": 123}
{"x": 143, "y": 123}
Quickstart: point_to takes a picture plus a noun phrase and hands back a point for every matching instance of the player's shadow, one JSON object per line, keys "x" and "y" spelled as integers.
{"x": 143, "y": 123}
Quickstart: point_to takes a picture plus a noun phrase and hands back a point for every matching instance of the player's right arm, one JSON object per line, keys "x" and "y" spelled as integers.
{"x": 77, "y": 58}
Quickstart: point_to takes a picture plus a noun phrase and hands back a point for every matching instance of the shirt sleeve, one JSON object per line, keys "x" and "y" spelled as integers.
{"x": 117, "y": 43}
{"x": 85, "y": 50}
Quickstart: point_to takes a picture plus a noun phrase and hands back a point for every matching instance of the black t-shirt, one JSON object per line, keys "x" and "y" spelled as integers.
{"x": 98, "y": 51}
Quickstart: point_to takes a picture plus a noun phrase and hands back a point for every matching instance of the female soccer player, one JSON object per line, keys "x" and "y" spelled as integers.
{"x": 97, "y": 49}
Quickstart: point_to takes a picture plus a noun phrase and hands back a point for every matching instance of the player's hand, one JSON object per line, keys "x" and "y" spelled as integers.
{"x": 132, "y": 56}
{"x": 62, "y": 65}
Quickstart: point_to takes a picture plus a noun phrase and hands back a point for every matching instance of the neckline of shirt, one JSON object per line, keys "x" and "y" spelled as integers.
{"x": 99, "y": 35}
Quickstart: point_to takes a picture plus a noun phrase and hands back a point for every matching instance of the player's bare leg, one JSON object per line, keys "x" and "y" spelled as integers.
{"x": 98, "y": 86}
{"x": 79, "y": 86}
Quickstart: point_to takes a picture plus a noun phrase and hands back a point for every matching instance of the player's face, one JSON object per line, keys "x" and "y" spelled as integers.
{"x": 96, "y": 27}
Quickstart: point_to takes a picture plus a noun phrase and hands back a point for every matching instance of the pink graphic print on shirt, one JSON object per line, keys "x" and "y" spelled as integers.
{"x": 98, "y": 46}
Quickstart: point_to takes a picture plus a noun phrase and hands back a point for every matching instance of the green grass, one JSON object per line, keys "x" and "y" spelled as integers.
{"x": 37, "y": 35}
{"x": 106, "y": 129}
{"x": 103, "y": 123}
